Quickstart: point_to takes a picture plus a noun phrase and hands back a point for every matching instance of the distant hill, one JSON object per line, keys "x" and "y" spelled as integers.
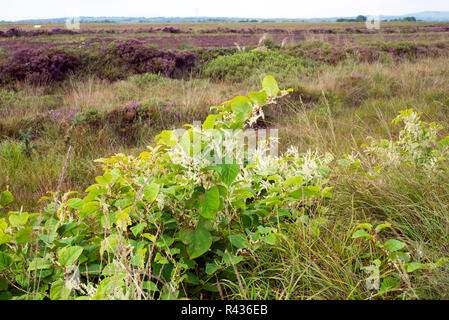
{"x": 430, "y": 16}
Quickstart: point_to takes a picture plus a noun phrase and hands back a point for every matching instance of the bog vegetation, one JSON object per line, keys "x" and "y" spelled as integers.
{"x": 354, "y": 206}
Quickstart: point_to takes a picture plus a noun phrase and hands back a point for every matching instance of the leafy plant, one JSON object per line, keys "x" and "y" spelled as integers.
{"x": 26, "y": 137}
{"x": 168, "y": 223}
{"x": 241, "y": 65}
{"x": 417, "y": 146}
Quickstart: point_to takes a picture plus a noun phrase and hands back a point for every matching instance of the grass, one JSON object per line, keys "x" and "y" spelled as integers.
{"x": 333, "y": 109}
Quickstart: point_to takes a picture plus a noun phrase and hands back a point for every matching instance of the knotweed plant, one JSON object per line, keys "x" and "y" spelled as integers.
{"x": 172, "y": 222}
{"x": 417, "y": 145}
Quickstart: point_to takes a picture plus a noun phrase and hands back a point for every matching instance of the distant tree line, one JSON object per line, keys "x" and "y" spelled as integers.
{"x": 362, "y": 18}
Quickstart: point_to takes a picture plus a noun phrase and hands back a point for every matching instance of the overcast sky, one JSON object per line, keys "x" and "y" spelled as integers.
{"x": 30, "y": 9}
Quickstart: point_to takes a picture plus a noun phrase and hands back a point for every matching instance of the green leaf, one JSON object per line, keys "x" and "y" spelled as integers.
{"x": 360, "y": 233}
{"x": 5, "y": 238}
{"x": 211, "y": 268}
{"x": 6, "y": 198}
{"x": 199, "y": 241}
{"x": 293, "y": 181}
{"x": 229, "y": 172}
{"x": 3, "y": 284}
{"x": 5, "y": 261}
{"x": 136, "y": 230}
{"x": 39, "y": 264}
{"x": 239, "y": 240}
{"x": 270, "y": 86}
{"x": 393, "y": 245}
{"x": 151, "y": 191}
{"x": 88, "y": 209}
{"x": 211, "y": 203}
{"x": 5, "y": 296}
{"x": 260, "y": 98}
{"x": 18, "y": 220}
{"x": 75, "y": 203}
{"x": 388, "y": 284}
{"x": 270, "y": 239}
{"x": 242, "y": 108}
{"x": 23, "y": 235}
{"x": 58, "y": 291}
{"x": 412, "y": 266}
{"x": 209, "y": 123}
{"x": 69, "y": 255}
{"x": 149, "y": 286}
{"x": 167, "y": 137}
{"x": 380, "y": 227}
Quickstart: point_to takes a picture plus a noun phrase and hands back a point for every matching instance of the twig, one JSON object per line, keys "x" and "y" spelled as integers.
{"x": 64, "y": 168}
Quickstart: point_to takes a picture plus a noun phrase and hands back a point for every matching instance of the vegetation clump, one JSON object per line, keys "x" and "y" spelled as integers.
{"x": 181, "y": 219}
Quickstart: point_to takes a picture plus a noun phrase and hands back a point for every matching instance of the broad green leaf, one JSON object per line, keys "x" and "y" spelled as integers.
{"x": 293, "y": 181}
{"x": 105, "y": 179}
{"x": 167, "y": 137}
{"x": 209, "y": 123}
{"x": 58, "y": 291}
{"x": 3, "y": 224}
{"x": 199, "y": 241}
{"x": 260, "y": 98}
{"x": 88, "y": 209}
{"x": 18, "y": 220}
{"x": 393, "y": 245}
{"x": 380, "y": 227}
{"x": 227, "y": 172}
{"x": 5, "y": 238}
{"x": 23, "y": 235}
{"x": 3, "y": 284}
{"x": 360, "y": 233}
{"x": 210, "y": 203}
{"x": 69, "y": 255}
{"x": 242, "y": 108}
{"x": 39, "y": 264}
{"x": 6, "y": 198}
{"x": 270, "y": 239}
{"x": 149, "y": 286}
{"x": 5, "y": 261}
{"x": 270, "y": 86}
{"x": 137, "y": 229}
{"x": 122, "y": 219}
{"x": 239, "y": 240}
{"x": 412, "y": 266}
{"x": 211, "y": 268}
{"x": 75, "y": 203}
{"x": 151, "y": 191}
{"x": 389, "y": 283}
{"x": 5, "y": 295}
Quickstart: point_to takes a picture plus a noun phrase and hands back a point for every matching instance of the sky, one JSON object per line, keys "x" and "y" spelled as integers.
{"x": 41, "y": 9}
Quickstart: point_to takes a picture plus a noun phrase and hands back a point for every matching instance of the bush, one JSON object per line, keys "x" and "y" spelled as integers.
{"x": 136, "y": 57}
{"x": 39, "y": 66}
{"x": 240, "y": 66}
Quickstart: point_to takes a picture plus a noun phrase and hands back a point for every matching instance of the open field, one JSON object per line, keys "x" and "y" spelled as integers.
{"x": 68, "y": 99}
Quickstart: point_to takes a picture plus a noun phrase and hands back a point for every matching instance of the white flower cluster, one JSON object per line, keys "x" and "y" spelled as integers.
{"x": 310, "y": 165}
{"x": 417, "y": 144}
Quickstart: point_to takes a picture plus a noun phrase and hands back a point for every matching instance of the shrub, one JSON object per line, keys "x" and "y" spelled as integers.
{"x": 417, "y": 146}
{"x": 144, "y": 80}
{"x": 240, "y": 66}
{"x": 135, "y": 57}
{"x": 39, "y": 66}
